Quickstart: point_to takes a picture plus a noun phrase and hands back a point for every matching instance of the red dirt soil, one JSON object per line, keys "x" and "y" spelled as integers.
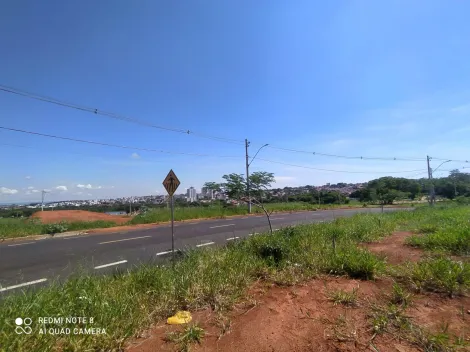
{"x": 394, "y": 249}
{"x": 302, "y": 318}
{"x": 48, "y": 217}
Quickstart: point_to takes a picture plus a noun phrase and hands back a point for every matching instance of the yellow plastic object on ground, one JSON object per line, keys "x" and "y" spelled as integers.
{"x": 181, "y": 317}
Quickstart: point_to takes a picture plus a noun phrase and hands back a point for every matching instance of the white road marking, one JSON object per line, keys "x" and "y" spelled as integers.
{"x": 110, "y": 264}
{"x": 125, "y": 239}
{"x": 255, "y": 233}
{"x": 232, "y": 238}
{"x": 22, "y": 285}
{"x": 193, "y": 223}
{"x": 277, "y": 218}
{"x": 162, "y": 253}
{"x": 276, "y": 229}
{"x": 213, "y": 227}
{"x": 19, "y": 244}
{"x": 204, "y": 244}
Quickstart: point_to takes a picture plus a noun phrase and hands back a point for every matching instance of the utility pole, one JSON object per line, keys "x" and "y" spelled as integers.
{"x": 430, "y": 171}
{"x": 431, "y": 190}
{"x": 248, "y": 163}
{"x": 42, "y": 200}
{"x": 247, "y": 176}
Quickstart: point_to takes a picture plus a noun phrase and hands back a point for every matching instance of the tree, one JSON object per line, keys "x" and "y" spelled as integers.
{"x": 235, "y": 185}
{"x": 260, "y": 181}
{"x": 235, "y": 188}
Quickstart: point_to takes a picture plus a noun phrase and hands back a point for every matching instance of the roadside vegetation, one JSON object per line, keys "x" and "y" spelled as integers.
{"x": 12, "y": 228}
{"x": 20, "y": 227}
{"x": 129, "y": 302}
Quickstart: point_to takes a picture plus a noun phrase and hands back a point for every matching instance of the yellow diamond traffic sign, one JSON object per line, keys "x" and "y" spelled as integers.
{"x": 171, "y": 183}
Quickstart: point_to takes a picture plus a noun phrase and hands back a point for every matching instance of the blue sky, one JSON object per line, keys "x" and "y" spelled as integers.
{"x": 388, "y": 79}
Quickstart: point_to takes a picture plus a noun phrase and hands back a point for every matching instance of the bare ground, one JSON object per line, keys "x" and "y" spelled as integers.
{"x": 48, "y": 217}
{"x": 302, "y": 318}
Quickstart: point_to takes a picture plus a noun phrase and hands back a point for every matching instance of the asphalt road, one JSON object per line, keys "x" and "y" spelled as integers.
{"x": 37, "y": 262}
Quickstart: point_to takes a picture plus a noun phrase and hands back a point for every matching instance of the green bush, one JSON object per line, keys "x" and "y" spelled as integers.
{"x": 52, "y": 229}
{"x": 354, "y": 262}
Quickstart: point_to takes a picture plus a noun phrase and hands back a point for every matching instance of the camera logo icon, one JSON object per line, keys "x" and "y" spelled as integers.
{"x": 23, "y": 326}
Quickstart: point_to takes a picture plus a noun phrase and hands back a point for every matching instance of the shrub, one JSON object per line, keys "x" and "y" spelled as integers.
{"x": 52, "y": 229}
{"x": 355, "y": 262}
{"x": 273, "y": 254}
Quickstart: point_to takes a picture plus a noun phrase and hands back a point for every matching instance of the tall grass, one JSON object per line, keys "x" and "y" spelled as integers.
{"x": 12, "y": 228}
{"x": 437, "y": 274}
{"x": 446, "y": 230}
{"x": 187, "y": 213}
{"x": 126, "y": 303}
{"x": 18, "y": 228}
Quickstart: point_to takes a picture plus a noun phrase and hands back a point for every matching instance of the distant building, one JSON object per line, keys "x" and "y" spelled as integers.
{"x": 191, "y": 194}
{"x": 207, "y": 193}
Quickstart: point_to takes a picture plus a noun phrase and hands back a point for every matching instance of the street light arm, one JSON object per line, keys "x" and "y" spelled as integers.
{"x": 441, "y": 165}
{"x": 257, "y": 154}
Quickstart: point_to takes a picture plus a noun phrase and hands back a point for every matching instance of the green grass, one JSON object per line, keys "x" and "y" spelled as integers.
{"x": 128, "y": 302}
{"x": 438, "y": 274}
{"x": 12, "y": 228}
{"x": 191, "y": 334}
{"x": 346, "y": 298}
{"x": 189, "y": 213}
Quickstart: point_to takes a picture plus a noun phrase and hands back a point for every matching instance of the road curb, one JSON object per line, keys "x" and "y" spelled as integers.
{"x": 43, "y": 237}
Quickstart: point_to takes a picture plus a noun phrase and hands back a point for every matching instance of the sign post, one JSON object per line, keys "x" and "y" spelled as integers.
{"x": 171, "y": 183}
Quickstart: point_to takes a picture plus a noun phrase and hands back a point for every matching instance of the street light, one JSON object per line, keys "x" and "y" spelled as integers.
{"x": 248, "y": 172}
{"x": 433, "y": 192}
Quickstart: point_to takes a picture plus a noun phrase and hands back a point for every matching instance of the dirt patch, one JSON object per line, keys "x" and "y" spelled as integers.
{"x": 394, "y": 248}
{"x": 48, "y": 217}
{"x": 303, "y": 318}
{"x": 437, "y": 313}
{"x": 300, "y": 318}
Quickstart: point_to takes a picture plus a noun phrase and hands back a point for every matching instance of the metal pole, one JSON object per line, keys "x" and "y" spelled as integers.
{"x": 247, "y": 176}
{"x": 42, "y": 201}
{"x": 172, "y": 229}
{"x": 431, "y": 190}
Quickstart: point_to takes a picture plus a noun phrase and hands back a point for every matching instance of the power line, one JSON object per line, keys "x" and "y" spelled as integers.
{"x": 113, "y": 145}
{"x": 110, "y": 114}
{"x": 192, "y": 154}
{"x": 181, "y": 131}
{"x": 344, "y": 156}
{"x": 341, "y": 171}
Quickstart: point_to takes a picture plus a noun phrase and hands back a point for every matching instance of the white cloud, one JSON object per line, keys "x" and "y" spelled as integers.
{"x": 4, "y": 190}
{"x": 135, "y": 156}
{"x": 89, "y": 194}
{"x": 28, "y": 177}
{"x": 35, "y": 191}
{"x": 61, "y": 188}
{"x": 78, "y": 193}
{"x": 30, "y": 187}
{"x": 88, "y": 186}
